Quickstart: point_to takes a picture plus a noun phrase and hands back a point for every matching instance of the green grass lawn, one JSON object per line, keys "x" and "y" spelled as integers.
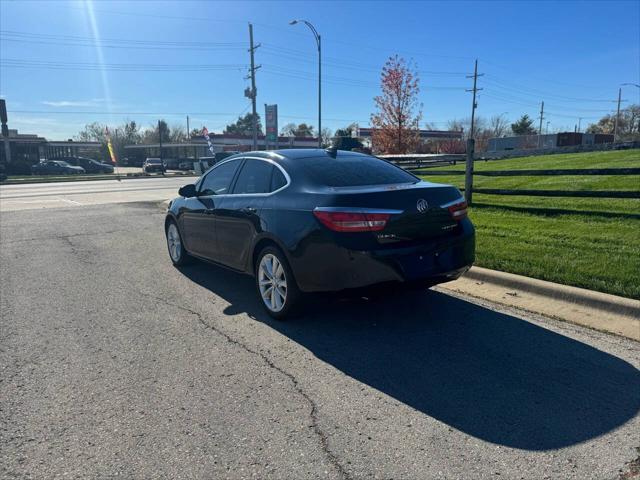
{"x": 590, "y": 243}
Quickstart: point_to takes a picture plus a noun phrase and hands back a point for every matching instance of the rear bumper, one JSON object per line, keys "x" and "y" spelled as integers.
{"x": 329, "y": 267}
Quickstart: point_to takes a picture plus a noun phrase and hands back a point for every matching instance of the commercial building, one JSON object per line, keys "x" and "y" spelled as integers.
{"x": 28, "y": 149}
{"x": 553, "y": 140}
{"x": 432, "y": 140}
{"x": 367, "y": 133}
{"x": 197, "y": 147}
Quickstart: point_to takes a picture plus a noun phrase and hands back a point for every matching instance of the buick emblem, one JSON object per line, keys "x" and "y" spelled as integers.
{"x": 422, "y": 205}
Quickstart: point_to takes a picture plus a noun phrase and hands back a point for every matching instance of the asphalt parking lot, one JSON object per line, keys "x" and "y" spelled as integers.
{"x": 115, "y": 363}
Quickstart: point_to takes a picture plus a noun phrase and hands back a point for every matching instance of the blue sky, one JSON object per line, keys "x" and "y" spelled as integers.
{"x": 116, "y": 60}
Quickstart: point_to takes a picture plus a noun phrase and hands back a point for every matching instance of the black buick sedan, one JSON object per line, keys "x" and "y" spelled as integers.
{"x": 320, "y": 220}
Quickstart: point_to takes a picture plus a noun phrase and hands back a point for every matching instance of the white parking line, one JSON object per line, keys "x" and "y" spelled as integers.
{"x": 72, "y": 202}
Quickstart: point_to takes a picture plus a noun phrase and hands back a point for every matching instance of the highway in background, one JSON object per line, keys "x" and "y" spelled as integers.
{"x": 82, "y": 193}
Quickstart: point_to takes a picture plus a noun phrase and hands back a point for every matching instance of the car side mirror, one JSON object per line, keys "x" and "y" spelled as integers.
{"x": 188, "y": 191}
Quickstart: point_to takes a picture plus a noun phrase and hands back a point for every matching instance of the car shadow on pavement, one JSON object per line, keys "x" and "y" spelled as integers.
{"x": 488, "y": 374}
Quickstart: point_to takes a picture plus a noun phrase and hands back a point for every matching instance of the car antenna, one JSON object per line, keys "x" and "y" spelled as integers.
{"x": 332, "y": 150}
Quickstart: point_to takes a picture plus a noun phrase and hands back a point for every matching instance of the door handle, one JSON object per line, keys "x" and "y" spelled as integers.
{"x": 248, "y": 210}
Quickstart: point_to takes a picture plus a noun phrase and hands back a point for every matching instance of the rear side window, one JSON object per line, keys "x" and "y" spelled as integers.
{"x": 218, "y": 180}
{"x": 277, "y": 180}
{"x": 255, "y": 177}
{"x": 353, "y": 171}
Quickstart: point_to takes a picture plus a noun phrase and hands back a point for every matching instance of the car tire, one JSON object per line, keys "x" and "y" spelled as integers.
{"x": 175, "y": 245}
{"x": 277, "y": 290}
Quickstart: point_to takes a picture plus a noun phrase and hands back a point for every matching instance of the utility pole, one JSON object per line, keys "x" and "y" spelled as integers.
{"x": 319, "y": 93}
{"x": 5, "y": 131}
{"x": 160, "y": 140}
{"x": 252, "y": 94}
{"x": 579, "y": 123}
{"x": 188, "y": 134}
{"x": 540, "y": 129}
{"x": 615, "y": 125}
{"x": 468, "y": 176}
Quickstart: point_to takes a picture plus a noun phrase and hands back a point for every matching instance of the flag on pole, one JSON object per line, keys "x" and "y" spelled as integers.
{"x": 205, "y": 132}
{"x": 112, "y": 153}
{"x": 110, "y": 146}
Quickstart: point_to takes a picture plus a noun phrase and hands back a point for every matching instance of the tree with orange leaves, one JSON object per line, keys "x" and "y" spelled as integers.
{"x": 396, "y": 123}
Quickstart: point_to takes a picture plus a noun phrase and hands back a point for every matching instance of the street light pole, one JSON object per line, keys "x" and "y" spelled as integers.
{"x": 319, "y": 43}
{"x": 615, "y": 124}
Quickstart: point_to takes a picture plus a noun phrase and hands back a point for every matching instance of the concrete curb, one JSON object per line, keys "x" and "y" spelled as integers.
{"x": 600, "y": 311}
{"x": 579, "y": 296}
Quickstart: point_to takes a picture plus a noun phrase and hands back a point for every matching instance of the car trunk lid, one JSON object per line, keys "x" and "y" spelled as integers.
{"x": 422, "y": 210}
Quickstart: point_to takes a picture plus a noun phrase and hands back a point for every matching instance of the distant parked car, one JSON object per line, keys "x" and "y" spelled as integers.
{"x": 151, "y": 165}
{"x": 210, "y": 161}
{"x": 90, "y": 165}
{"x": 56, "y": 167}
{"x": 186, "y": 164}
{"x": 171, "y": 163}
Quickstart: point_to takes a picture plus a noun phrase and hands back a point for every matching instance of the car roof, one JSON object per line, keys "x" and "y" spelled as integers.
{"x": 289, "y": 159}
{"x": 289, "y": 156}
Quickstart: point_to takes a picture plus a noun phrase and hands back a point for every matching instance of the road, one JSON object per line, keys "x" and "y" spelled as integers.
{"x": 94, "y": 192}
{"x": 115, "y": 363}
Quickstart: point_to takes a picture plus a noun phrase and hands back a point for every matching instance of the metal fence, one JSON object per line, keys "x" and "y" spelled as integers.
{"x": 550, "y": 193}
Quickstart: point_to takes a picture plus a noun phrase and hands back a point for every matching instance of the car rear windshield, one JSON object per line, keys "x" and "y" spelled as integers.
{"x": 353, "y": 171}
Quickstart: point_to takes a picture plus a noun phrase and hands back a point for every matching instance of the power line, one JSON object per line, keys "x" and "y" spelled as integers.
{"x": 208, "y": 19}
{"x": 127, "y": 47}
{"x": 532, "y": 104}
{"x": 102, "y": 112}
{"x": 546, "y": 79}
{"x": 274, "y": 50}
{"x": 127, "y": 42}
{"x": 302, "y": 56}
{"x": 536, "y": 92}
{"x": 511, "y": 98}
{"x": 57, "y": 65}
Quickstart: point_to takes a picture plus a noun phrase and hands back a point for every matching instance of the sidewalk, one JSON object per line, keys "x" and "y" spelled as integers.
{"x": 600, "y": 311}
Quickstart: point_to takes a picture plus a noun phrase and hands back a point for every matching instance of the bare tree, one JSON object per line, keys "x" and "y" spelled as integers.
{"x": 326, "y": 135}
{"x": 499, "y": 125}
{"x": 628, "y": 123}
{"x": 289, "y": 130}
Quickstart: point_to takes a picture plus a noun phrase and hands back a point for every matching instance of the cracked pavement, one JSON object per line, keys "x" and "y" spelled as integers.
{"x": 115, "y": 363}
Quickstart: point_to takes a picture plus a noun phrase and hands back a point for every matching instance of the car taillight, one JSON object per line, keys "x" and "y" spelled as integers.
{"x": 458, "y": 210}
{"x": 352, "y": 221}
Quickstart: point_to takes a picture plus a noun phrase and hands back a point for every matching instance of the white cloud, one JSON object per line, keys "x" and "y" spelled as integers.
{"x": 70, "y": 103}
{"x": 47, "y": 127}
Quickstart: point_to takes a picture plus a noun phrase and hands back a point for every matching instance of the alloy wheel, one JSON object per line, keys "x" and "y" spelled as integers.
{"x": 173, "y": 242}
{"x": 272, "y": 282}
